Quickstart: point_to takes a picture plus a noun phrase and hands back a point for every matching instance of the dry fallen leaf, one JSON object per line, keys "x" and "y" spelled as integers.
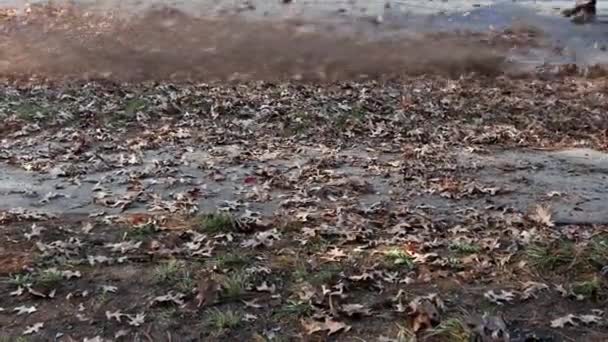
{"x": 114, "y": 315}
{"x": 175, "y": 298}
{"x": 531, "y": 288}
{"x": 24, "y": 310}
{"x": 328, "y": 325}
{"x": 543, "y": 216}
{"x": 563, "y": 321}
{"x": 265, "y": 288}
{"x": 590, "y": 319}
{"x": 136, "y": 320}
{"x": 499, "y": 297}
{"x": 33, "y": 328}
{"x": 355, "y": 309}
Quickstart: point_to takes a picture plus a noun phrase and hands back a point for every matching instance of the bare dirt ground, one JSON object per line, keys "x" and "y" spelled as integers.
{"x": 183, "y": 179}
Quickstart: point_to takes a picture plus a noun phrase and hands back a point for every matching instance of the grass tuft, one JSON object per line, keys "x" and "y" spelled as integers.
{"x": 21, "y": 280}
{"x": 452, "y": 329}
{"x": 216, "y": 223}
{"x": 547, "y": 258}
{"x": 234, "y": 286}
{"x": 294, "y": 309}
{"x": 398, "y": 257}
{"x": 231, "y": 261}
{"x": 465, "y": 248}
{"x": 598, "y": 252}
{"x": 589, "y": 289}
{"x": 176, "y": 274}
{"x": 221, "y": 321}
{"x": 141, "y": 232}
{"x": 48, "y": 278}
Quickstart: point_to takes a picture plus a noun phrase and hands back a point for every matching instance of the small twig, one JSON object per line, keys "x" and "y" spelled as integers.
{"x": 102, "y": 159}
{"x": 147, "y": 335}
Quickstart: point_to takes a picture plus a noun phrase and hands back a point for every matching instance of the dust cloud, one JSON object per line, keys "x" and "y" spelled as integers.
{"x": 65, "y": 42}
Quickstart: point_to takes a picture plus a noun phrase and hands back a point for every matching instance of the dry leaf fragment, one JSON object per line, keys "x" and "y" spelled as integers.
{"x": 312, "y": 327}
{"x": 562, "y": 321}
{"x": 94, "y": 339}
{"x": 249, "y": 317}
{"x": 252, "y": 304}
{"x": 68, "y": 274}
{"x": 334, "y": 254}
{"x": 335, "y": 326}
{"x": 543, "y": 216}
{"x": 265, "y": 288}
{"x": 355, "y": 309}
{"x": 169, "y": 297}
{"x": 33, "y": 328}
{"x": 114, "y": 315}
{"x": 590, "y": 319}
{"x": 328, "y": 325}
{"x": 124, "y": 246}
{"x": 136, "y": 320}
{"x": 531, "y": 288}
{"x": 363, "y": 277}
{"x": 573, "y": 320}
{"x": 499, "y": 297}
{"x": 18, "y": 292}
{"x": 35, "y": 232}
{"x": 108, "y": 289}
{"x": 554, "y": 194}
{"x": 24, "y": 310}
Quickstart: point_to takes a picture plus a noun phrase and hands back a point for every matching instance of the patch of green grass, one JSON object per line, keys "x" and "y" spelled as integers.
{"x": 589, "y": 289}
{"x": 293, "y": 309}
{"x": 452, "y": 329}
{"x": 31, "y": 111}
{"x": 326, "y": 275}
{"x": 221, "y": 321}
{"x": 299, "y": 123}
{"x": 176, "y": 274}
{"x": 14, "y": 339}
{"x": 234, "y": 286}
{"x": 134, "y": 105}
{"x": 598, "y": 252}
{"x": 100, "y": 300}
{"x": 216, "y": 223}
{"x": 465, "y": 248}
{"x": 550, "y": 258}
{"x": 141, "y": 232}
{"x": 232, "y": 261}
{"x": 358, "y": 113}
{"x": 355, "y": 114}
{"x": 454, "y": 263}
{"x": 399, "y": 258}
{"x": 292, "y": 226}
{"x": 168, "y": 272}
{"x": 167, "y": 316}
{"x": 48, "y": 278}
{"x": 21, "y": 280}
{"x": 317, "y": 245}
{"x": 300, "y": 272}
{"x": 186, "y": 283}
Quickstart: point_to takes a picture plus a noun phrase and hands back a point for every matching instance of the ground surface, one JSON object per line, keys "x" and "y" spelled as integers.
{"x": 409, "y": 208}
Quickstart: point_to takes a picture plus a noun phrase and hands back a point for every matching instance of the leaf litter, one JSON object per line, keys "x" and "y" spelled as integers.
{"x": 296, "y": 209}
